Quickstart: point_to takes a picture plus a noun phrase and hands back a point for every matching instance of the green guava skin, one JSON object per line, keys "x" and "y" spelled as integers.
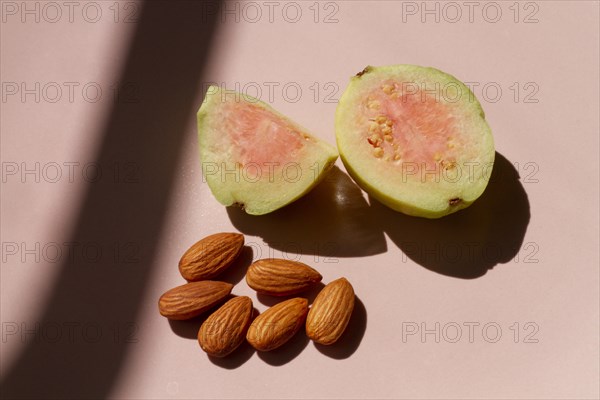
{"x": 442, "y": 132}
{"x": 255, "y": 157}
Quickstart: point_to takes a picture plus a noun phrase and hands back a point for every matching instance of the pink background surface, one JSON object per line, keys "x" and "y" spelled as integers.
{"x": 552, "y": 281}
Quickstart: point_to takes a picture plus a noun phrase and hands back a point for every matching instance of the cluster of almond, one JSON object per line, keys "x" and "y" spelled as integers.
{"x": 224, "y": 330}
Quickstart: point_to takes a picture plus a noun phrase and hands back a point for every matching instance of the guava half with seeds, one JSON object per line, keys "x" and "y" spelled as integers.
{"x": 254, "y": 156}
{"x": 415, "y": 138}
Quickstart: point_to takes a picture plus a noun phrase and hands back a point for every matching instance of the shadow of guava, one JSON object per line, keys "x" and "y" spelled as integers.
{"x": 470, "y": 242}
{"x": 333, "y": 220}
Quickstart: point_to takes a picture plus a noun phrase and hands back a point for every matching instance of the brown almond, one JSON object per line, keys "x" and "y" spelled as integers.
{"x": 192, "y": 299}
{"x": 279, "y": 277}
{"x": 210, "y": 256}
{"x": 330, "y": 312}
{"x": 226, "y": 328}
{"x": 278, "y": 324}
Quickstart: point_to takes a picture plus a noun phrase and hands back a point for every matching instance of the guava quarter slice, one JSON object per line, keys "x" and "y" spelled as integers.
{"x": 414, "y": 138}
{"x": 255, "y": 157}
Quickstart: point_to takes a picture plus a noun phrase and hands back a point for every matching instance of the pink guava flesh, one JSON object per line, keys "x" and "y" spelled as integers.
{"x": 415, "y": 138}
{"x": 257, "y": 135}
{"x": 412, "y": 127}
{"x": 254, "y": 156}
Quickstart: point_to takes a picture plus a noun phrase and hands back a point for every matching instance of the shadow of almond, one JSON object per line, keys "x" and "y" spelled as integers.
{"x": 333, "y": 220}
{"x": 188, "y": 329}
{"x": 470, "y": 242}
{"x": 310, "y": 295}
{"x": 237, "y": 271}
{"x": 348, "y": 343}
{"x": 287, "y": 352}
{"x": 236, "y": 359}
{"x": 239, "y": 356}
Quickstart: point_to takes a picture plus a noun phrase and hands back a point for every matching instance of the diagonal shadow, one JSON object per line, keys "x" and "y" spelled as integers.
{"x": 98, "y": 298}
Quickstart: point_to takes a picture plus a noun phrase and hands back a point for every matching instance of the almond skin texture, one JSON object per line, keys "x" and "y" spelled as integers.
{"x": 210, "y": 256}
{"x": 330, "y": 312}
{"x": 279, "y": 277}
{"x": 192, "y": 299}
{"x": 278, "y": 324}
{"x": 226, "y": 328}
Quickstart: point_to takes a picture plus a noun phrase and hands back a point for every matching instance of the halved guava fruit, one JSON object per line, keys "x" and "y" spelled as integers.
{"x": 414, "y": 138}
{"x": 255, "y": 157}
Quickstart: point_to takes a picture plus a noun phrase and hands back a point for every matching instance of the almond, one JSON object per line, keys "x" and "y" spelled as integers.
{"x": 330, "y": 312}
{"x": 226, "y": 328}
{"x": 210, "y": 256}
{"x": 192, "y": 299}
{"x": 278, "y": 324}
{"x": 279, "y": 277}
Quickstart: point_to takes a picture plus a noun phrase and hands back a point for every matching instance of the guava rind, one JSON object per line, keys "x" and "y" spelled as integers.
{"x": 247, "y": 150}
{"x": 432, "y": 195}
